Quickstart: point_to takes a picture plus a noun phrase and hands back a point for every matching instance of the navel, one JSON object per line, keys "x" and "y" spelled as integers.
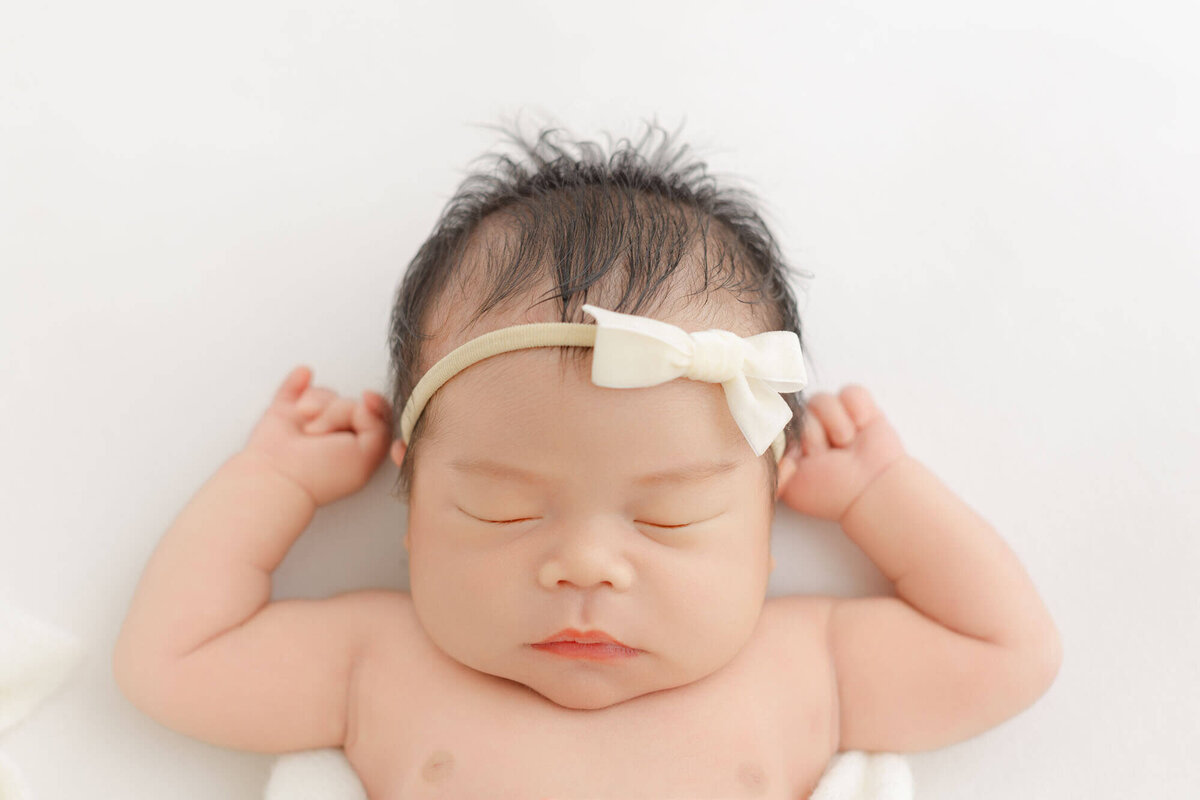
{"x": 753, "y": 777}
{"x": 439, "y": 766}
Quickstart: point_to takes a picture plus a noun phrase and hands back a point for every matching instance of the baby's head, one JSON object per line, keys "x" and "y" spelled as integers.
{"x": 539, "y": 501}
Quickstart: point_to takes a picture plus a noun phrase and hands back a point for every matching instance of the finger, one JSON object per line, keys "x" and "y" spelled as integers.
{"x": 378, "y": 404}
{"x": 335, "y": 417}
{"x": 315, "y": 400}
{"x": 373, "y": 429}
{"x": 812, "y": 435}
{"x": 838, "y": 425}
{"x": 859, "y": 405}
{"x": 293, "y": 385}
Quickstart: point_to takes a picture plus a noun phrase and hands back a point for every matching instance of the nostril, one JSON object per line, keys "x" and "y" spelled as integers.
{"x": 565, "y": 582}
{"x": 556, "y": 574}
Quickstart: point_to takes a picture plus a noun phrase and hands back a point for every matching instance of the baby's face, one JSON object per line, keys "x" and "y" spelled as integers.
{"x": 534, "y": 508}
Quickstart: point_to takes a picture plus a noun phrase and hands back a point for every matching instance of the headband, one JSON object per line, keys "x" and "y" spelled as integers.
{"x": 631, "y": 351}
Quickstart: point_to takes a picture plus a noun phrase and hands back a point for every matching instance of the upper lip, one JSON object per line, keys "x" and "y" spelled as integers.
{"x": 583, "y": 637}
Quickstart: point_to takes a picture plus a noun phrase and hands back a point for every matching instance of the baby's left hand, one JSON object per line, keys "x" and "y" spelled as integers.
{"x": 846, "y": 443}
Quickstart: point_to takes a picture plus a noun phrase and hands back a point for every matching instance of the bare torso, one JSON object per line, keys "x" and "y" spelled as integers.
{"x": 422, "y": 725}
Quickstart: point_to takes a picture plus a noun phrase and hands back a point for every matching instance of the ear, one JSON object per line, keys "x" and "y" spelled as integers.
{"x": 787, "y": 469}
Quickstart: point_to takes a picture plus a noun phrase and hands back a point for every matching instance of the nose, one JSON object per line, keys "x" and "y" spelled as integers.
{"x": 586, "y": 561}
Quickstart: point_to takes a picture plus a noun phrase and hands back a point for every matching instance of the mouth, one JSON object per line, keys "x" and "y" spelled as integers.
{"x": 589, "y": 645}
{"x": 583, "y": 637}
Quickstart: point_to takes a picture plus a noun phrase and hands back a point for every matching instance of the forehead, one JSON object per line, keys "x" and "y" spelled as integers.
{"x": 510, "y": 400}
{"x": 539, "y": 406}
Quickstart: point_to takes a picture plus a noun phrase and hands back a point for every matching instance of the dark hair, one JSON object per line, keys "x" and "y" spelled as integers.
{"x": 574, "y": 220}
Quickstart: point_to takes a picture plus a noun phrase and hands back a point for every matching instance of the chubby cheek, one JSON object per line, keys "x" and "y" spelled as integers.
{"x": 731, "y": 590}
{"x": 461, "y": 599}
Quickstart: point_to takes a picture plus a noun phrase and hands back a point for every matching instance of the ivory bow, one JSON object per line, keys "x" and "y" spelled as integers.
{"x": 632, "y": 351}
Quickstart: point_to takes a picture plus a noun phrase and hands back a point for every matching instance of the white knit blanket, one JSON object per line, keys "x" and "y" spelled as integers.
{"x": 327, "y": 775}
{"x": 35, "y": 660}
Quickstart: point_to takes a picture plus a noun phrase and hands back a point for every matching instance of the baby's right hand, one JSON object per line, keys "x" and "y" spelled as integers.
{"x": 326, "y": 444}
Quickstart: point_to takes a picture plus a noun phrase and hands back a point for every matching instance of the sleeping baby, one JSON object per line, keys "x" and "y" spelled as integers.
{"x": 595, "y": 403}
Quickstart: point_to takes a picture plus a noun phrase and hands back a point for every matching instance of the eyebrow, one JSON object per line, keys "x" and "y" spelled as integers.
{"x": 690, "y": 473}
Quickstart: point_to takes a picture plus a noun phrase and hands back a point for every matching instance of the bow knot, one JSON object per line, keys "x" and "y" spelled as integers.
{"x": 717, "y": 356}
{"x": 632, "y": 351}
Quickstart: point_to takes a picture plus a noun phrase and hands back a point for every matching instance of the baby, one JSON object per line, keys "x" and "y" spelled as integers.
{"x": 596, "y": 366}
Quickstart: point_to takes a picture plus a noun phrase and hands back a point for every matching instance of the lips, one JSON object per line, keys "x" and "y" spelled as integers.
{"x": 585, "y": 645}
{"x": 583, "y": 637}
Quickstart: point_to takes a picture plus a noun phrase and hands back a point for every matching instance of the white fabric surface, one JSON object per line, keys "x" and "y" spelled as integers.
{"x": 323, "y": 774}
{"x": 35, "y": 659}
{"x": 326, "y": 774}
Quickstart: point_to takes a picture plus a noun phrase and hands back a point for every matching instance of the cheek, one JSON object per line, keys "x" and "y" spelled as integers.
{"x": 443, "y": 562}
{"x": 462, "y": 600}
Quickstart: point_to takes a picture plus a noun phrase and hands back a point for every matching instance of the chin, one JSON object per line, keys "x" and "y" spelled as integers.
{"x": 584, "y": 699}
{"x": 593, "y": 692}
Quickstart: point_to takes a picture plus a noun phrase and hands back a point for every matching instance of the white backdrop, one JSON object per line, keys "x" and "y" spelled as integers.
{"x": 999, "y": 208}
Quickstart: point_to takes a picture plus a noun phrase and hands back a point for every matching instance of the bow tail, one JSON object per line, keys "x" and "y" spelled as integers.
{"x": 758, "y": 410}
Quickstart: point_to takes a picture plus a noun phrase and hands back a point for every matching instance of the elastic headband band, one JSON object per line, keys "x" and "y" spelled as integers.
{"x": 516, "y": 337}
{"x": 633, "y": 351}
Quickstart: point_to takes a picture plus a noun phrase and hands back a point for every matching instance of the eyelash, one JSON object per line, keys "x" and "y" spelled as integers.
{"x": 525, "y": 519}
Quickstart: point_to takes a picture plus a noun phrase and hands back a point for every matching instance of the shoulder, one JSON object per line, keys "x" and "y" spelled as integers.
{"x": 796, "y": 628}
{"x": 801, "y": 619}
{"x": 391, "y": 639}
{"x": 389, "y": 619}
{"x": 802, "y": 662}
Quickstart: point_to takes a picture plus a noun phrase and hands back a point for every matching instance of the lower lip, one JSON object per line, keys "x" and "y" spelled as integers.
{"x": 602, "y": 651}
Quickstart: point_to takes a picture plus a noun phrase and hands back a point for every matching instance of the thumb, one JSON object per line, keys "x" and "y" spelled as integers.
{"x": 373, "y": 431}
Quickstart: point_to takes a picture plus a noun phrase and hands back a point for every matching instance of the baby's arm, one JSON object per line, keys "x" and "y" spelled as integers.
{"x": 202, "y": 650}
{"x": 968, "y": 643}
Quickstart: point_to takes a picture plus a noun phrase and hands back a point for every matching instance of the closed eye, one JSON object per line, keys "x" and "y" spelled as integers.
{"x": 495, "y": 521}
{"x": 526, "y": 519}
{"x": 683, "y": 524}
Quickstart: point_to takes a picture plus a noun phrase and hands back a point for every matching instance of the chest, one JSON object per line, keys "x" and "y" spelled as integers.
{"x": 451, "y": 732}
